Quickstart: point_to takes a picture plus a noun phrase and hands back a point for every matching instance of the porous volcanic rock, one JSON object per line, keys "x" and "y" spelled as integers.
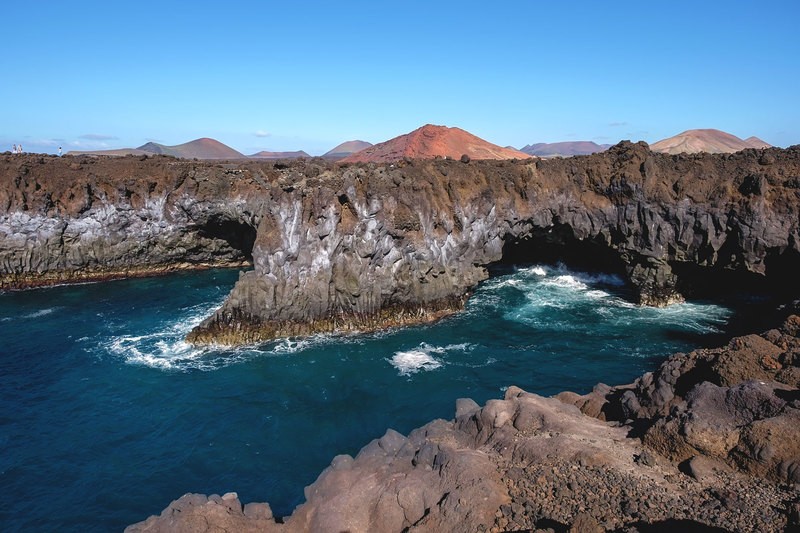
{"x": 364, "y": 246}
{"x": 90, "y": 218}
{"x": 375, "y": 245}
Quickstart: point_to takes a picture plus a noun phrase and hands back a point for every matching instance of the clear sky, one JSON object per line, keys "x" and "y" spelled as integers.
{"x": 260, "y": 75}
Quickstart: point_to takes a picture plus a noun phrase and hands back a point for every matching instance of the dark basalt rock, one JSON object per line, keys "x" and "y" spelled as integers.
{"x": 362, "y": 248}
{"x": 365, "y": 246}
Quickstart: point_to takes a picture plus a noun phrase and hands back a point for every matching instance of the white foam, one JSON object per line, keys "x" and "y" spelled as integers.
{"x": 566, "y": 281}
{"x": 556, "y": 288}
{"x": 165, "y": 348}
{"x": 40, "y": 313}
{"x": 596, "y": 294}
{"x": 422, "y": 358}
{"x": 602, "y": 279}
{"x": 508, "y": 282}
{"x": 413, "y": 361}
{"x": 291, "y": 345}
{"x": 161, "y": 349}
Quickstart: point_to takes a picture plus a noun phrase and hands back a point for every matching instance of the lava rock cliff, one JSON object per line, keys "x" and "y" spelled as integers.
{"x": 364, "y": 246}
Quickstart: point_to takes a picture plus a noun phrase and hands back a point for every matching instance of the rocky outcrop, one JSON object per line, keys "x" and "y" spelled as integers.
{"x": 376, "y": 245}
{"x": 739, "y": 405}
{"x": 364, "y": 246}
{"x": 696, "y": 445}
{"x": 76, "y": 219}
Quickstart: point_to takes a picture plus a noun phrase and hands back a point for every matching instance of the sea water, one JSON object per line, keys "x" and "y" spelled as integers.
{"x": 107, "y": 415}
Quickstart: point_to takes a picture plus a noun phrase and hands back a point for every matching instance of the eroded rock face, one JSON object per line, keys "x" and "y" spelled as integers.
{"x": 75, "y": 219}
{"x": 738, "y": 405}
{"x": 367, "y": 246}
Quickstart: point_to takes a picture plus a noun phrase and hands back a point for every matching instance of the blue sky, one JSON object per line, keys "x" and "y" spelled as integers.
{"x": 260, "y": 75}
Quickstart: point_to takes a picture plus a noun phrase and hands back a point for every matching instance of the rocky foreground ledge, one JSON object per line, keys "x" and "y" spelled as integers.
{"x": 708, "y": 442}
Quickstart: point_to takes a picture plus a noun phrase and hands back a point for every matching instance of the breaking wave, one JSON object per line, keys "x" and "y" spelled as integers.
{"x": 423, "y": 357}
{"x": 556, "y": 299}
{"x": 541, "y": 298}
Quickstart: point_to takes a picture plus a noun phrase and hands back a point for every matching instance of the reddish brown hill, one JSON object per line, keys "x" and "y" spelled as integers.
{"x": 429, "y": 142}
{"x": 345, "y": 149}
{"x": 117, "y": 152}
{"x": 705, "y": 140}
{"x": 203, "y": 148}
{"x": 755, "y": 142}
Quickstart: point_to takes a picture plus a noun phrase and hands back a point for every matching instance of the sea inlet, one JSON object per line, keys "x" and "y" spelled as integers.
{"x": 107, "y": 415}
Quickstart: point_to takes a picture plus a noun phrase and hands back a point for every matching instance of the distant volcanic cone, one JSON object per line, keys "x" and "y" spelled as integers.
{"x": 706, "y": 140}
{"x": 429, "y": 142}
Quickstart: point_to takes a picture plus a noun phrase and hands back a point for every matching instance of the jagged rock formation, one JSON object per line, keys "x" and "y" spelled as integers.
{"x": 371, "y": 246}
{"x": 76, "y": 219}
{"x": 365, "y": 246}
{"x": 719, "y": 450}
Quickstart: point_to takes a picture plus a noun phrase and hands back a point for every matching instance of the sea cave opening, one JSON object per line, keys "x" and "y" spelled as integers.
{"x": 759, "y": 300}
{"x": 239, "y": 237}
{"x": 756, "y": 301}
{"x": 558, "y": 245}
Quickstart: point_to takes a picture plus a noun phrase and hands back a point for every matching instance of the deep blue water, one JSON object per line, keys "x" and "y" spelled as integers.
{"x": 106, "y": 415}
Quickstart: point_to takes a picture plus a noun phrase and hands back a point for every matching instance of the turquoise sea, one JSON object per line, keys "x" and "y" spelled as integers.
{"x": 106, "y": 415}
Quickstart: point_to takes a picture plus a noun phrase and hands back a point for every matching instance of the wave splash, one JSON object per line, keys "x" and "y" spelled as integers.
{"x": 557, "y": 299}
{"x": 423, "y": 357}
{"x": 541, "y": 298}
{"x": 164, "y": 347}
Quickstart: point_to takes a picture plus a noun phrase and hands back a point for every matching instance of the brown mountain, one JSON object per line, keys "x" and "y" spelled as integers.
{"x": 345, "y": 149}
{"x": 705, "y": 140}
{"x": 755, "y": 142}
{"x": 263, "y": 154}
{"x": 203, "y": 148}
{"x": 564, "y": 149}
{"x": 429, "y": 142}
